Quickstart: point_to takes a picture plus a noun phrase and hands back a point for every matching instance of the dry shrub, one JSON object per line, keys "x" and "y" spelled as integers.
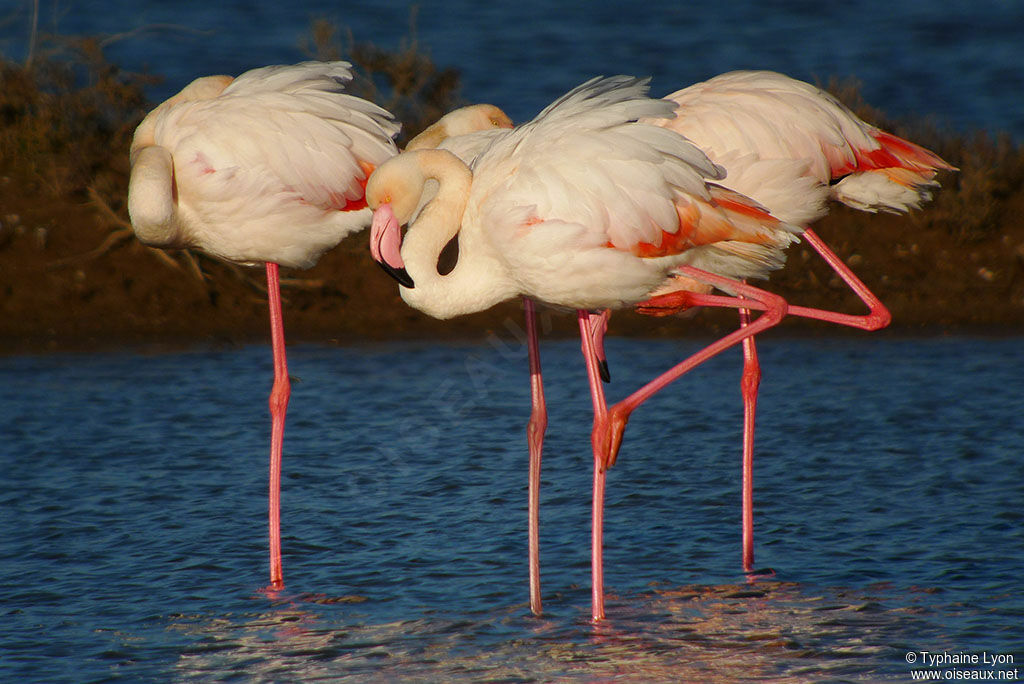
{"x": 972, "y": 204}
{"x": 406, "y": 81}
{"x": 66, "y": 120}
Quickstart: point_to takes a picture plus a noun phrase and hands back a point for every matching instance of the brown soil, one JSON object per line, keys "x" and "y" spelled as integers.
{"x": 68, "y": 283}
{"x": 58, "y": 294}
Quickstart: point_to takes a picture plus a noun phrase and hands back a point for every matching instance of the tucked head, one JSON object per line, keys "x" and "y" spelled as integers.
{"x": 471, "y": 119}
{"x": 393, "y": 193}
{"x": 398, "y": 182}
{"x": 479, "y": 117}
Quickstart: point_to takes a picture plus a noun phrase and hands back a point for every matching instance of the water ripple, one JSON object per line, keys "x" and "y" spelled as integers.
{"x": 888, "y": 505}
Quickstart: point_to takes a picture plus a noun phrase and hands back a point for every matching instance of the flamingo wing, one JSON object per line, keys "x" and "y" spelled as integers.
{"x": 774, "y": 117}
{"x": 585, "y": 198}
{"x": 288, "y": 129}
{"x": 769, "y": 116}
{"x": 273, "y": 168}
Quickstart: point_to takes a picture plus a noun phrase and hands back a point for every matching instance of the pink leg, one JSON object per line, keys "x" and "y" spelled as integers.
{"x": 279, "y": 395}
{"x": 878, "y": 316}
{"x": 750, "y": 297}
{"x": 748, "y": 386}
{"x": 598, "y": 328}
{"x": 609, "y": 424}
{"x": 535, "y": 437}
{"x": 597, "y": 500}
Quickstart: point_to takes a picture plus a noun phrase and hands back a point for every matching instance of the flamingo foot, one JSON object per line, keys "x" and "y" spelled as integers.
{"x": 759, "y": 574}
{"x": 667, "y": 304}
{"x": 608, "y": 443}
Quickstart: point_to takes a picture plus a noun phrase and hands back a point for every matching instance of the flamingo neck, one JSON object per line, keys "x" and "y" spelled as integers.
{"x": 479, "y": 280}
{"x": 152, "y": 198}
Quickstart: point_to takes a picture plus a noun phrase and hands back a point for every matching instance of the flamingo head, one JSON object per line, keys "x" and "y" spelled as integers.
{"x": 427, "y": 191}
{"x": 462, "y": 121}
{"x": 393, "y": 193}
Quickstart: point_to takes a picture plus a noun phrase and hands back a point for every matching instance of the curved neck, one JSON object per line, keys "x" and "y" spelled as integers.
{"x": 479, "y": 279}
{"x": 152, "y": 201}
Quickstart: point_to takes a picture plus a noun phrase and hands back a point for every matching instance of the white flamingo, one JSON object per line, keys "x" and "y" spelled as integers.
{"x": 764, "y": 128}
{"x": 269, "y": 167}
{"x": 585, "y": 208}
{"x": 794, "y": 149}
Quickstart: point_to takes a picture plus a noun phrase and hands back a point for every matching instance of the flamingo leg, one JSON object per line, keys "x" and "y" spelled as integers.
{"x": 279, "y": 395}
{"x": 600, "y": 428}
{"x": 749, "y": 383}
{"x": 535, "y": 437}
{"x": 749, "y": 297}
{"x": 609, "y": 424}
{"x": 598, "y": 329}
{"x": 878, "y": 316}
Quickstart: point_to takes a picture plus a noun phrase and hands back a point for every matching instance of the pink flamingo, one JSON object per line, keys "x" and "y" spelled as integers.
{"x": 763, "y": 128}
{"x": 586, "y": 207}
{"x": 269, "y": 167}
{"x": 793, "y": 148}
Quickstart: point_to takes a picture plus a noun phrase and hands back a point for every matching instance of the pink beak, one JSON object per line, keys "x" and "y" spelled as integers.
{"x": 386, "y": 245}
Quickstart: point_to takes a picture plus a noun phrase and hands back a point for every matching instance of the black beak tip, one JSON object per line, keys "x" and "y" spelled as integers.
{"x": 399, "y": 274}
{"x": 602, "y": 369}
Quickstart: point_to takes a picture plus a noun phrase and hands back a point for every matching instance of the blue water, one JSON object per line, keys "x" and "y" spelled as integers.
{"x": 959, "y": 64}
{"x": 889, "y": 484}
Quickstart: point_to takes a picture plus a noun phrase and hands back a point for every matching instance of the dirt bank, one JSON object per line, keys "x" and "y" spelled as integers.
{"x": 58, "y": 294}
{"x": 73, "y": 277}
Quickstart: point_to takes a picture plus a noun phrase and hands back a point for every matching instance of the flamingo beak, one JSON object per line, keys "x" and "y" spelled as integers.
{"x": 386, "y": 245}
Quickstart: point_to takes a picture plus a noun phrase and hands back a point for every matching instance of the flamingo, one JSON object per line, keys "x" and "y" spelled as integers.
{"x": 763, "y": 128}
{"x": 269, "y": 167}
{"x": 461, "y": 122}
{"x": 795, "y": 149}
{"x": 587, "y": 208}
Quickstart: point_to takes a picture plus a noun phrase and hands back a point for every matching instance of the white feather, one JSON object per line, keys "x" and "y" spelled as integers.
{"x": 262, "y": 167}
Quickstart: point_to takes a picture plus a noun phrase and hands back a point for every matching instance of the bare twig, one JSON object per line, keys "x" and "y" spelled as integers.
{"x": 113, "y": 238}
{"x": 303, "y": 283}
{"x": 97, "y": 201}
{"x": 164, "y": 257}
{"x": 33, "y": 34}
{"x": 191, "y": 265}
{"x": 243, "y": 275}
{"x": 115, "y": 37}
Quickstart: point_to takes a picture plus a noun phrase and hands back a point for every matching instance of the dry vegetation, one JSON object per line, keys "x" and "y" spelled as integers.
{"x": 71, "y": 275}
